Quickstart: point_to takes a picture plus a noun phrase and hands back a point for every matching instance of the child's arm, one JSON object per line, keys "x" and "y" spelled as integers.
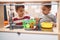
{"x": 54, "y": 24}
{"x": 52, "y": 17}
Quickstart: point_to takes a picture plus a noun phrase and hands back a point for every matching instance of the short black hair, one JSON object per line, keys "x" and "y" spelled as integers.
{"x": 48, "y": 6}
{"x": 18, "y": 6}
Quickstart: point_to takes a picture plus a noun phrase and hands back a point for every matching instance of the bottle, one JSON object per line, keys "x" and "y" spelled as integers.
{"x": 10, "y": 17}
{"x": 32, "y": 23}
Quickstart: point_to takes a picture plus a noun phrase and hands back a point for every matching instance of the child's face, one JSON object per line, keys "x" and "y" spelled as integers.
{"x": 45, "y": 10}
{"x": 20, "y": 11}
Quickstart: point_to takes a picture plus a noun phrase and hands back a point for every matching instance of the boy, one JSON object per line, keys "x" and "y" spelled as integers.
{"x": 47, "y": 16}
{"x": 21, "y": 15}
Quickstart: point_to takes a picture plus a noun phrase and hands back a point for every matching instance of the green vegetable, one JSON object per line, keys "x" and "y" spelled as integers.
{"x": 26, "y": 23}
{"x": 27, "y": 26}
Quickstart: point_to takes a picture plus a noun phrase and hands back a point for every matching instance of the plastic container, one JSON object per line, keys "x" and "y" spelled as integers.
{"x": 46, "y": 25}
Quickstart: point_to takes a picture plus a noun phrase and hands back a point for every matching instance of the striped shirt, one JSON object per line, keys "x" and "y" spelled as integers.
{"x": 18, "y": 20}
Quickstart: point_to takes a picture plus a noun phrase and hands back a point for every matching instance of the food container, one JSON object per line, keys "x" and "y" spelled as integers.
{"x": 46, "y": 25}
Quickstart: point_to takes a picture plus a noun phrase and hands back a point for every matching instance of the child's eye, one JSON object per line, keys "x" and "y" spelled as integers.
{"x": 21, "y": 10}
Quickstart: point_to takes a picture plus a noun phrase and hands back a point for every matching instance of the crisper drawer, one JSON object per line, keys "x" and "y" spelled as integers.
{"x": 15, "y": 36}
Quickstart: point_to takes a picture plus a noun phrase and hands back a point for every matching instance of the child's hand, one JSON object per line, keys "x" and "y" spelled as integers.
{"x": 54, "y": 24}
{"x": 37, "y": 20}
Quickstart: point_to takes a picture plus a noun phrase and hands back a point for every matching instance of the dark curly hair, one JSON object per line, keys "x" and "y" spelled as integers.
{"x": 18, "y": 6}
{"x": 48, "y": 6}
